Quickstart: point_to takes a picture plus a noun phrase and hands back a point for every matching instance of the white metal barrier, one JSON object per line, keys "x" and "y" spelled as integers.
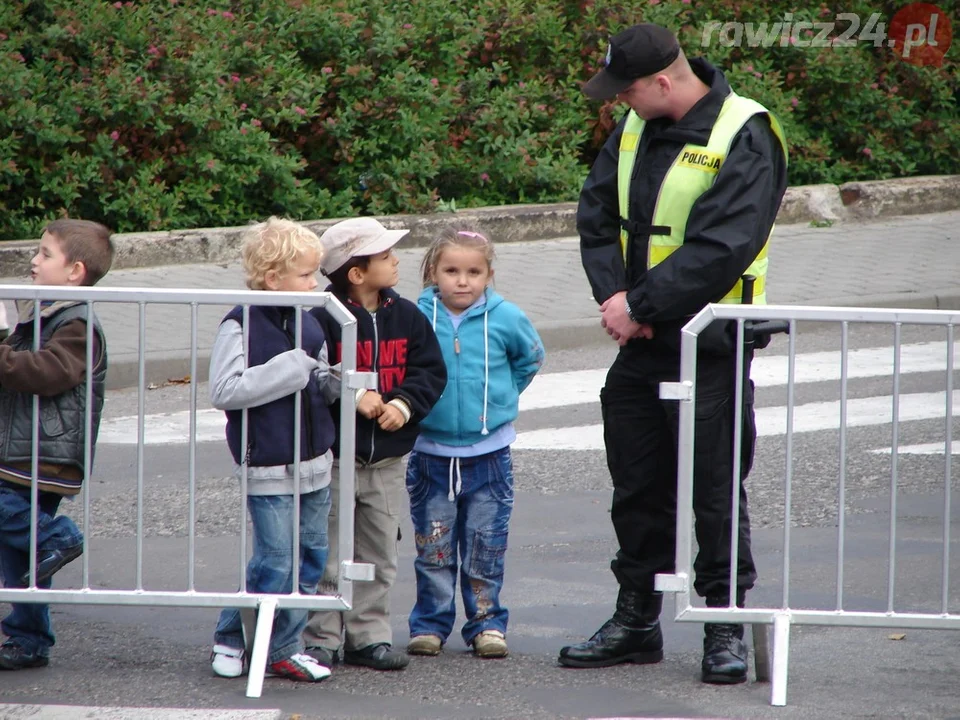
{"x": 266, "y": 605}
{"x": 783, "y": 616}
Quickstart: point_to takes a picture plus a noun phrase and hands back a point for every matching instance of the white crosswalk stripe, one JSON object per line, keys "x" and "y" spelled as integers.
{"x": 922, "y": 449}
{"x": 581, "y": 387}
{"x": 807, "y": 418}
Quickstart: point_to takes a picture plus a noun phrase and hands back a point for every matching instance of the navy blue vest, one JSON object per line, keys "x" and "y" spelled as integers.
{"x": 271, "y": 426}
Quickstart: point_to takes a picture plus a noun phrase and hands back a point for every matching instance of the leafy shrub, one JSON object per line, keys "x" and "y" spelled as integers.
{"x": 166, "y": 114}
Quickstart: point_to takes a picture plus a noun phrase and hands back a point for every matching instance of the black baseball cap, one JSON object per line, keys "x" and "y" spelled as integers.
{"x": 636, "y": 52}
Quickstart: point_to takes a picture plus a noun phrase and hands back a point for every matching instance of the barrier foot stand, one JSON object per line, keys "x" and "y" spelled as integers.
{"x": 781, "y": 652}
{"x": 761, "y": 652}
{"x": 261, "y": 647}
{"x": 248, "y": 622}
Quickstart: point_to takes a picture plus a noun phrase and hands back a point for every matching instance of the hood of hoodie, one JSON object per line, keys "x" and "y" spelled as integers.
{"x": 429, "y": 302}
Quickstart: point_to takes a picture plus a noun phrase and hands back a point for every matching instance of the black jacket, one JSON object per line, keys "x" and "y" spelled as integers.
{"x": 727, "y": 227}
{"x": 397, "y": 343}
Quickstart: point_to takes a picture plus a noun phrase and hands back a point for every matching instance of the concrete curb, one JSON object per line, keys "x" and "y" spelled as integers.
{"x": 556, "y": 335}
{"x": 517, "y": 223}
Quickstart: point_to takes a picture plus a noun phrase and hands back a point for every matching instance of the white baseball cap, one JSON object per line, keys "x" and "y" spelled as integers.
{"x": 356, "y": 237}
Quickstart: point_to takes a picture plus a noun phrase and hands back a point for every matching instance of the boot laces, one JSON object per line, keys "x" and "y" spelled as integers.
{"x": 723, "y": 634}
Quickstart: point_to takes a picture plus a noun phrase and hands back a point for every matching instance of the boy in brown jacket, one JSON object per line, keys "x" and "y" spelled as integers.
{"x": 71, "y": 253}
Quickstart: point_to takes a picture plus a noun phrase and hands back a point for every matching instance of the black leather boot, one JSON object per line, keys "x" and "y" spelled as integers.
{"x": 631, "y": 635}
{"x": 724, "y": 652}
{"x": 724, "y": 655}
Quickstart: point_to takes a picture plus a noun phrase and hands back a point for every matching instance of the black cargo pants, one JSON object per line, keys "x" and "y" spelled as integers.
{"x": 640, "y": 434}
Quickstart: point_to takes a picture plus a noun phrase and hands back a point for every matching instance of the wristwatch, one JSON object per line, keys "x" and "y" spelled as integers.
{"x": 626, "y": 304}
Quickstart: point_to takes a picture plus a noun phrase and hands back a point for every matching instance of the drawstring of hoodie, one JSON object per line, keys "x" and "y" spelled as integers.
{"x": 452, "y": 495}
{"x": 486, "y": 373}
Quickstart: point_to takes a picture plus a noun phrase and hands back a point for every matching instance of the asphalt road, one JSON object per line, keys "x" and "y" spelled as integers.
{"x": 559, "y": 588}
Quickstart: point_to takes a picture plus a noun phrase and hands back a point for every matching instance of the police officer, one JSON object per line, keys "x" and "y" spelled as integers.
{"x": 679, "y": 205}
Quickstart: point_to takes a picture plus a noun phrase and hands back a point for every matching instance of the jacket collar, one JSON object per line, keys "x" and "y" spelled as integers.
{"x": 388, "y": 296}
{"x": 695, "y": 127}
{"x": 47, "y": 308}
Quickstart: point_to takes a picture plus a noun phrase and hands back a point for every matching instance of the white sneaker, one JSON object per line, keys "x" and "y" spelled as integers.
{"x": 227, "y": 661}
{"x": 299, "y": 667}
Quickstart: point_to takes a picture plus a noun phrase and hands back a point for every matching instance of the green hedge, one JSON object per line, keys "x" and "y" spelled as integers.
{"x": 171, "y": 114}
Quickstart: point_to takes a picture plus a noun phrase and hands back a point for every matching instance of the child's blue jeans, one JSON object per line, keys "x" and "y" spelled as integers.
{"x": 270, "y": 569}
{"x": 28, "y": 624}
{"x": 471, "y": 526}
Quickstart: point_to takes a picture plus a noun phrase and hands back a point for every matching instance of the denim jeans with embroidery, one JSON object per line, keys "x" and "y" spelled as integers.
{"x": 270, "y": 569}
{"x": 461, "y": 511}
{"x": 28, "y": 624}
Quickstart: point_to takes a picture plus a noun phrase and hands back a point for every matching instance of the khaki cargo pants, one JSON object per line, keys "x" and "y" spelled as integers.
{"x": 380, "y": 497}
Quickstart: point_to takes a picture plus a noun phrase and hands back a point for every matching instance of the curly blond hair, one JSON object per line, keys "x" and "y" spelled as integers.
{"x": 276, "y": 244}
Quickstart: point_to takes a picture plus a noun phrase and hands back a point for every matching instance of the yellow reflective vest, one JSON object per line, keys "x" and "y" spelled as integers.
{"x": 692, "y": 174}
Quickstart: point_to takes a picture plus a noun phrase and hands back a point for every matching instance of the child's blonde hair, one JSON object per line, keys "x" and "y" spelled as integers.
{"x": 457, "y": 235}
{"x": 276, "y": 244}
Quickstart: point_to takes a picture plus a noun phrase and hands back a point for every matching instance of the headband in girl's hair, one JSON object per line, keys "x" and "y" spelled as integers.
{"x": 469, "y": 233}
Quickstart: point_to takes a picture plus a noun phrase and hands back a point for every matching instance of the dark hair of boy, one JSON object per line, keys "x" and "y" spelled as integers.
{"x": 339, "y": 277}
{"x": 86, "y": 242}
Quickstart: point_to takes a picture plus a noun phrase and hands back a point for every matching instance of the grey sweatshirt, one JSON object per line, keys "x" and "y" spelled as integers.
{"x": 234, "y": 386}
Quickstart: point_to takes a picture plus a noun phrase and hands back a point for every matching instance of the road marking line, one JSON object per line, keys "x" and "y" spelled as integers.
{"x": 583, "y": 386}
{"x": 813, "y": 417}
{"x": 924, "y": 449}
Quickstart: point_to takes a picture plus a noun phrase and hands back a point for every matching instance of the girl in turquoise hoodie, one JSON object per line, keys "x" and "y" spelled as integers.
{"x": 460, "y": 473}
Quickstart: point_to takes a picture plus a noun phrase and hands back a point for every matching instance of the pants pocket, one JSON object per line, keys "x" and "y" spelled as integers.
{"x": 489, "y": 550}
{"x": 417, "y": 480}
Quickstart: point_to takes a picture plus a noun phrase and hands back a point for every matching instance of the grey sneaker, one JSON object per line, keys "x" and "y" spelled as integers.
{"x": 324, "y": 656}
{"x": 379, "y": 657}
{"x": 14, "y": 657}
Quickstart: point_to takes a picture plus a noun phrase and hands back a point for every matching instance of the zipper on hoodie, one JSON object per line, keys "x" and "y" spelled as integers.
{"x": 376, "y": 369}
{"x": 305, "y": 414}
{"x": 456, "y": 352}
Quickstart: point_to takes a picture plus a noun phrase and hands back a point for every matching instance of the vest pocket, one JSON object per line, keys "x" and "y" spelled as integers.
{"x": 51, "y": 422}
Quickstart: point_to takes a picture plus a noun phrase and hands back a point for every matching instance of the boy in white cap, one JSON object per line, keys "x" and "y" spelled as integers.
{"x": 394, "y": 340}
